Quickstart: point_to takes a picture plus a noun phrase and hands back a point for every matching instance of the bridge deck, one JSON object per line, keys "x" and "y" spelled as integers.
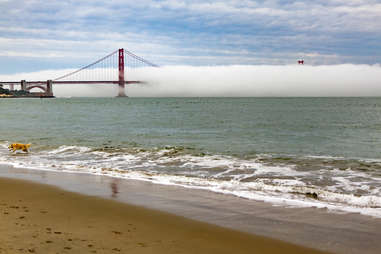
{"x": 68, "y": 82}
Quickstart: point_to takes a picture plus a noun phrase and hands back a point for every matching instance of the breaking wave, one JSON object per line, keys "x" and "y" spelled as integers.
{"x": 338, "y": 184}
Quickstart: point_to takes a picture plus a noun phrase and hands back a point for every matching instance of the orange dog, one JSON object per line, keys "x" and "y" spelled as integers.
{"x": 16, "y": 146}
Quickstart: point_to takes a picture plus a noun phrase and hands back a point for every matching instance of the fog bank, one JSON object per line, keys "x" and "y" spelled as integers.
{"x": 235, "y": 81}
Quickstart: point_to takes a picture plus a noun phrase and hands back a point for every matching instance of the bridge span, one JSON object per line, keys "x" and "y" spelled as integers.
{"x": 107, "y": 70}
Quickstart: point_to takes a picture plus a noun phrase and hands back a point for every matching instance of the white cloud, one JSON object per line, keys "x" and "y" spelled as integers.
{"x": 271, "y": 31}
{"x": 298, "y": 15}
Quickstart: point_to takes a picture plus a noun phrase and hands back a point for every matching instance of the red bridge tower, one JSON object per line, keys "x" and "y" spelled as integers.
{"x": 121, "y": 74}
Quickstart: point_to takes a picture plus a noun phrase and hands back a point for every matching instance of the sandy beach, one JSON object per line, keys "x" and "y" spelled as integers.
{"x": 38, "y": 218}
{"x": 93, "y": 209}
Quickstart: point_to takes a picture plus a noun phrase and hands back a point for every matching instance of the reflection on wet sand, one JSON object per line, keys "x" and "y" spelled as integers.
{"x": 114, "y": 188}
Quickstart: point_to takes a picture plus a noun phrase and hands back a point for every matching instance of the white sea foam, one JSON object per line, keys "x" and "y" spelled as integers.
{"x": 280, "y": 185}
{"x": 73, "y": 149}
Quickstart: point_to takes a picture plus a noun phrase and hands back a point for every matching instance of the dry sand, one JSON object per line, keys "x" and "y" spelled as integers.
{"x": 37, "y": 218}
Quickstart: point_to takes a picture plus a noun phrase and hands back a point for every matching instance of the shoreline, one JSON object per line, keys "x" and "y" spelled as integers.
{"x": 32, "y": 96}
{"x": 38, "y": 218}
{"x": 310, "y": 227}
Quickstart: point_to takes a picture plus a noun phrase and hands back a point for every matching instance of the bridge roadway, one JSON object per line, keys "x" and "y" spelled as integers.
{"x": 68, "y": 82}
{"x": 47, "y": 86}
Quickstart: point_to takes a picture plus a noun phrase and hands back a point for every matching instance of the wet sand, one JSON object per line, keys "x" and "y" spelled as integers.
{"x": 314, "y": 228}
{"x": 37, "y": 218}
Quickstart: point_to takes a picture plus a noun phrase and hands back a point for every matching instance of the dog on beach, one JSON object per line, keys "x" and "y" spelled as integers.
{"x": 16, "y": 146}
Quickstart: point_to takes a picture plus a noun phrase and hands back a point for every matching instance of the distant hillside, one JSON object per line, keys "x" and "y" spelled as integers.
{"x": 7, "y": 92}
{"x": 4, "y": 91}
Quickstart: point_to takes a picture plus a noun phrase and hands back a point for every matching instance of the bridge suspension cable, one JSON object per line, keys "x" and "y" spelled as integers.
{"x": 128, "y": 55}
{"x": 107, "y": 68}
{"x": 87, "y": 66}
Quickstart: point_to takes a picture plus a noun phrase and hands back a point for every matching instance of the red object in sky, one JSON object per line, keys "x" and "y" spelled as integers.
{"x": 300, "y": 61}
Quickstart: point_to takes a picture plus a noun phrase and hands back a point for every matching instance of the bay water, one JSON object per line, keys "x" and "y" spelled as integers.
{"x": 293, "y": 152}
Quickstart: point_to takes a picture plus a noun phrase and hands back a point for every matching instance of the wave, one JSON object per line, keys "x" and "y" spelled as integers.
{"x": 338, "y": 184}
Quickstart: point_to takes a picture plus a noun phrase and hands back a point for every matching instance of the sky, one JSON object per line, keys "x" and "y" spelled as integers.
{"x": 40, "y": 34}
{"x": 37, "y": 36}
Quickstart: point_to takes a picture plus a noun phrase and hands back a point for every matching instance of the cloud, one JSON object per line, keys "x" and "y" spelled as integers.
{"x": 233, "y": 81}
{"x": 174, "y": 31}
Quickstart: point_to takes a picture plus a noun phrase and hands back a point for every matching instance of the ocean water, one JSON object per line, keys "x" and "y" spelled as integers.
{"x": 293, "y": 152}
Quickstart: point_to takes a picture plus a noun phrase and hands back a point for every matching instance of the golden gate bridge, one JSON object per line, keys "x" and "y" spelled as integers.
{"x": 107, "y": 70}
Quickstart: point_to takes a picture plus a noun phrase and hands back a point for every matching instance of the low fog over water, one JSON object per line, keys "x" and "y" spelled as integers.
{"x": 235, "y": 80}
